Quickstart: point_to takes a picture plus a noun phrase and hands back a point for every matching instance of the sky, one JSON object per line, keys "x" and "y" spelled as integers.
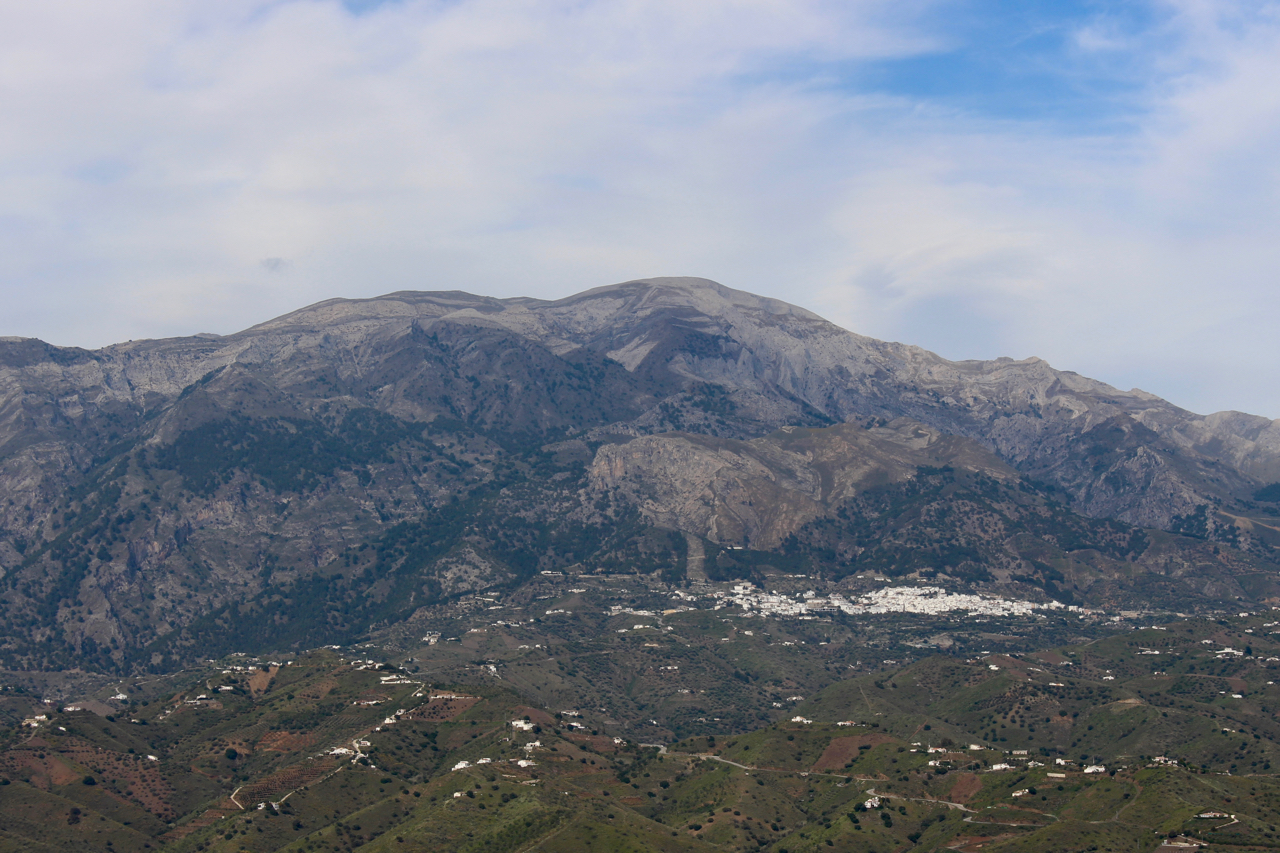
{"x": 1093, "y": 183}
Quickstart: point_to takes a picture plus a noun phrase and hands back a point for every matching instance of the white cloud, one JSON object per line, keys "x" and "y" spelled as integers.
{"x": 171, "y": 167}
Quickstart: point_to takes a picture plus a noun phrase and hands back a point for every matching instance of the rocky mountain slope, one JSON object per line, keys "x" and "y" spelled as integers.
{"x": 342, "y": 465}
{"x": 756, "y": 493}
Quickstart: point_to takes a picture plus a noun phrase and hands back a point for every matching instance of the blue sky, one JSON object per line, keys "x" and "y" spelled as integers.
{"x": 1093, "y": 183}
{"x": 1021, "y": 61}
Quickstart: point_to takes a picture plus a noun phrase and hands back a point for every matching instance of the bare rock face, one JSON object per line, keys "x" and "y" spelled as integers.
{"x": 732, "y": 492}
{"x": 755, "y": 493}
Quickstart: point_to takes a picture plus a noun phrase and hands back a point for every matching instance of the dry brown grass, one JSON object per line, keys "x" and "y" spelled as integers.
{"x": 842, "y": 750}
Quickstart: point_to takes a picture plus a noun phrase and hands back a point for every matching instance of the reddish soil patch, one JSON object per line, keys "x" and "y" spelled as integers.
{"x": 965, "y": 786}
{"x": 138, "y": 779}
{"x": 26, "y": 764}
{"x": 61, "y": 773}
{"x": 842, "y": 750}
{"x": 286, "y": 741}
{"x": 535, "y": 715}
{"x": 632, "y": 801}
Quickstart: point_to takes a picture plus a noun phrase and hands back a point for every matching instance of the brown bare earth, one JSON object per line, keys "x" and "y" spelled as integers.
{"x": 842, "y": 750}
{"x": 1122, "y": 705}
{"x": 43, "y": 772}
{"x": 261, "y": 680}
{"x": 1052, "y": 657}
{"x": 535, "y": 715}
{"x": 965, "y": 786}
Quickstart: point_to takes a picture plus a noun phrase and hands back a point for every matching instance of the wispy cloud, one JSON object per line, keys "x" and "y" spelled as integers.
{"x": 1094, "y": 186}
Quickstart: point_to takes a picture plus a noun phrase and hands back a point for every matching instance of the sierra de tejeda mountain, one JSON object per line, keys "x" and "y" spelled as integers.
{"x": 330, "y": 472}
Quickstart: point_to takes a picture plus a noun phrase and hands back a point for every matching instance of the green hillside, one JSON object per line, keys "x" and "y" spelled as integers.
{"x": 1113, "y": 744}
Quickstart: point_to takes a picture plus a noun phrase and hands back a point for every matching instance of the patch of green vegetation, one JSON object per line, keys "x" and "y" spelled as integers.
{"x": 284, "y": 454}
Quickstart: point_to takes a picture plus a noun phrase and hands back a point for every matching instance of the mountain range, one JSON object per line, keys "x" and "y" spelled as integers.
{"x": 336, "y": 470}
